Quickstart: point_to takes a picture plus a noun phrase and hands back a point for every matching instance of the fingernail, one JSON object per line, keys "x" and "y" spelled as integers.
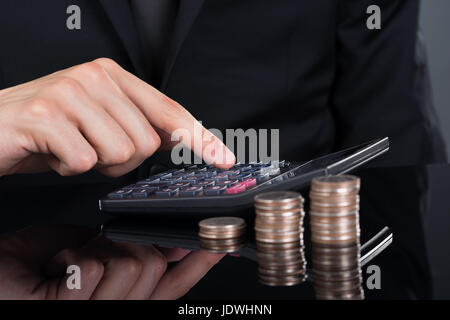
{"x": 224, "y": 156}
{"x": 217, "y": 153}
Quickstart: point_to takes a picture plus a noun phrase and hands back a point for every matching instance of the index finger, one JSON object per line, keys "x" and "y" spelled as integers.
{"x": 177, "y": 281}
{"x": 170, "y": 117}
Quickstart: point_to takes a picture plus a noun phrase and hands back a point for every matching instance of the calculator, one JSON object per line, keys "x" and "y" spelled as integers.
{"x": 204, "y": 188}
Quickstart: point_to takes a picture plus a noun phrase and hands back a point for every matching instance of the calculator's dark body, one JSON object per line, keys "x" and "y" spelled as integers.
{"x": 292, "y": 176}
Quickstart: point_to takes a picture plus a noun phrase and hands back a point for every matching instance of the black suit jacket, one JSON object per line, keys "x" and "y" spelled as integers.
{"x": 308, "y": 67}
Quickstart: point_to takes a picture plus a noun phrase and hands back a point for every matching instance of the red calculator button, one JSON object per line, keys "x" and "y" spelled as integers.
{"x": 238, "y": 188}
{"x": 249, "y": 182}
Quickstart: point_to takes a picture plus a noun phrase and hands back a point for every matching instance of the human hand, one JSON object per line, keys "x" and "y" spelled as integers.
{"x": 33, "y": 265}
{"x": 94, "y": 115}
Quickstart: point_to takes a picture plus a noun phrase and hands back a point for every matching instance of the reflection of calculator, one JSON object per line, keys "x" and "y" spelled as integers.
{"x": 204, "y": 188}
{"x": 184, "y": 234}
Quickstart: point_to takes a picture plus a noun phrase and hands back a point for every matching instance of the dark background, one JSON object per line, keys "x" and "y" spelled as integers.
{"x": 435, "y": 24}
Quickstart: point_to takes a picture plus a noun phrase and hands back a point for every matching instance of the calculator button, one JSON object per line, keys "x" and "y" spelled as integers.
{"x": 149, "y": 180}
{"x": 277, "y": 163}
{"x": 230, "y": 172}
{"x": 130, "y": 187}
{"x": 249, "y": 182}
{"x": 158, "y": 185}
{"x": 190, "y": 192}
{"x": 204, "y": 184}
{"x": 181, "y": 185}
{"x": 171, "y": 180}
{"x": 262, "y": 177}
{"x": 244, "y": 167}
{"x": 210, "y": 173}
{"x": 214, "y": 191}
{"x": 166, "y": 192}
{"x": 242, "y": 177}
{"x": 274, "y": 171}
{"x": 211, "y": 180}
{"x": 184, "y": 175}
{"x": 227, "y": 183}
{"x": 138, "y": 186}
{"x": 143, "y": 193}
{"x": 200, "y": 176}
{"x": 190, "y": 180}
{"x": 238, "y": 188}
{"x": 166, "y": 175}
{"x": 270, "y": 170}
{"x": 120, "y": 194}
{"x": 220, "y": 177}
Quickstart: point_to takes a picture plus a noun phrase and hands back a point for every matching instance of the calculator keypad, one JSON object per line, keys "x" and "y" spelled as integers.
{"x": 201, "y": 180}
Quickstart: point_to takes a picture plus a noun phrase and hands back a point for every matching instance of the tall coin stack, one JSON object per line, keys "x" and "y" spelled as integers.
{"x": 222, "y": 234}
{"x": 334, "y": 219}
{"x": 279, "y": 238}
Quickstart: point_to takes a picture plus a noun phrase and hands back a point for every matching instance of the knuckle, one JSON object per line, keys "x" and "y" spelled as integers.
{"x": 150, "y": 144}
{"x": 86, "y": 161}
{"x": 106, "y": 62}
{"x": 92, "y": 269}
{"x": 66, "y": 86}
{"x": 40, "y": 108}
{"x": 92, "y": 70}
{"x": 159, "y": 263}
{"x": 122, "y": 153}
{"x": 131, "y": 266}
{"x": 81, "y": 163}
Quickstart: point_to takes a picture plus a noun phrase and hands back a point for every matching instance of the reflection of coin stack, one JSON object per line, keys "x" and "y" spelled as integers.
{"x": 222, "y": 235}
{"x": 279, "y": 238}
{"x": 334, "y": 219}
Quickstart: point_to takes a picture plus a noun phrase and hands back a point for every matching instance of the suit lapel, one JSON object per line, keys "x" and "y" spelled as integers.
{"x": 188, "y": 11}
{"x": 120, "y": 15}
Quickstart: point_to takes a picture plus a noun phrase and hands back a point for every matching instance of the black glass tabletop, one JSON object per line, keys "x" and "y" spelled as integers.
{"x": 404, "y": 218}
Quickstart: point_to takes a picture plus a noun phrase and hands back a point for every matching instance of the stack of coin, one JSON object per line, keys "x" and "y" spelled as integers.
{"x": 279, "y": 238}
{"x": 334, "y": 219}
{"x": 337, "y": 272}
{"x": 222, "y": 234}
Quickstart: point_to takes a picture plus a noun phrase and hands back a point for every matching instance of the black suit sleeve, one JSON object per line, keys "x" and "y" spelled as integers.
{"x": 381, "y": 85}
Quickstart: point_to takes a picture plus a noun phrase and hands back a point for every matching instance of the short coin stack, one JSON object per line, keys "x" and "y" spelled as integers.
{"x": 334, "y": 219}
{"x": 279, "y": 238}
{"x": 222, "y": 234}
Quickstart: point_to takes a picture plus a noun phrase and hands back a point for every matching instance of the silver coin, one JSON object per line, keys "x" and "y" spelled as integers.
{"x": 278, "y": 197}
{"x": 340, "y": 179}
{"x": 222, "y": 223}
{"x": 333, "y": 214}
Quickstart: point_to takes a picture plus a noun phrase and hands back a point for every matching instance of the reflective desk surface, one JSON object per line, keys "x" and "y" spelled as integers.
{"x": 413, "y": 202}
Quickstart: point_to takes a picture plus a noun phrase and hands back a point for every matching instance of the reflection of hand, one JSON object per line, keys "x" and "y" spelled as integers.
{"x": 33, "y": 265}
